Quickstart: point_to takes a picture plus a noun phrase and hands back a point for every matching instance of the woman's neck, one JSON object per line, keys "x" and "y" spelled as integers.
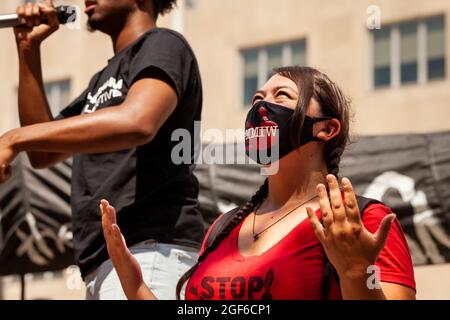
{"x": 295, "y": 184}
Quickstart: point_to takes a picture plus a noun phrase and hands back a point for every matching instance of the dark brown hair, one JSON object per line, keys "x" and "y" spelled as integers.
{"x": 312, "y": 84}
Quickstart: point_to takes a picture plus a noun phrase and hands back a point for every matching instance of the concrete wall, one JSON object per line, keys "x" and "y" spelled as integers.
{"x": 337, "y": 43}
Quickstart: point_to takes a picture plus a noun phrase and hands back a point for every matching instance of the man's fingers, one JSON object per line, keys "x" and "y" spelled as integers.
{"x": 36, "y": 15}
{"x": 48, "y": 3}
{"x": 29, "y": 14}
{"x": 50, "y": 13}
{"x": 351, "y": 204}
{"x": 383, "y": 231}
{"x": 324, "y": 202}
{"x": 21, "y": 14}
{"x": 316, "y": 225}
{"x": 20, "y": 11}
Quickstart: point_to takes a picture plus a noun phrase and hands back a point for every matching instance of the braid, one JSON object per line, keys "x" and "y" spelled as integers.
{"x": 333, "y": 159}
{"x": 248, "y": 208}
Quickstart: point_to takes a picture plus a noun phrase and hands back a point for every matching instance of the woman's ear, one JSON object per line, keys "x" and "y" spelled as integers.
{"x": 328, "y": 129}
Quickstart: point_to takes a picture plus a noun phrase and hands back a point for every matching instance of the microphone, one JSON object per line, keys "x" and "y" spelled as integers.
{"x": 64, "y": 13}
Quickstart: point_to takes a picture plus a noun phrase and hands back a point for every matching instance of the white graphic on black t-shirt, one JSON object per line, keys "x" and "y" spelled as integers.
{"x": 109, "y": 90}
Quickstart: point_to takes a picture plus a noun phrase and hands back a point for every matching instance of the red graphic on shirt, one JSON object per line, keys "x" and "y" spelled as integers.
{"x": 253, "y": 287}
{"x": 261, "y": 136}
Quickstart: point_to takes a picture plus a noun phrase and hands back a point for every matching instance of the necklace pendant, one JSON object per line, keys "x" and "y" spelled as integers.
{"x": 255, "y": 237}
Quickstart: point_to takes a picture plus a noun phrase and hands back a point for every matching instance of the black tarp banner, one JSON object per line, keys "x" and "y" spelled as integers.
{"x": 35, "y": 220}
{"x": 410, "y": 173}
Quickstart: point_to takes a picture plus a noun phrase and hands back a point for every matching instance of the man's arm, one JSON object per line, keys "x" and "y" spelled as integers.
{"x": 148, "y": 105}
{"x": 33, "y": 104}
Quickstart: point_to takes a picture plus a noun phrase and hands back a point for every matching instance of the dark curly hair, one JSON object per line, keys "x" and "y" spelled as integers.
{"x": 162, "y": 7}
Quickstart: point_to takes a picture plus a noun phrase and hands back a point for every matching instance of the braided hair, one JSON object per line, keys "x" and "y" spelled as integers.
{"x": 240, "y": 215}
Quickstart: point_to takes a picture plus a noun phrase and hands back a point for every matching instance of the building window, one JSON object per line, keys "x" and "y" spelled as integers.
{"x": 250, "y": 74}
{"x": 258, "y": 64}
{"x": 58, "y": 95}
{"x": 436, "y": 48}
{"x": 274, "y": 59}
{"x": 409, "y": 53}
{"x": 382, "y": 63}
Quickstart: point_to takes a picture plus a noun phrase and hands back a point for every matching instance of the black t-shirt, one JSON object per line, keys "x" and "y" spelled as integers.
{"x": 154, "y": 198}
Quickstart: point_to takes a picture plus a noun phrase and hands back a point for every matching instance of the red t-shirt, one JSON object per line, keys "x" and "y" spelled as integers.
{"x": 293, "y": 268}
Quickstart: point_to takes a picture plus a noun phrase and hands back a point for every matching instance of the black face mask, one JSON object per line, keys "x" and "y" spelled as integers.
{"x": 268, "y": 134}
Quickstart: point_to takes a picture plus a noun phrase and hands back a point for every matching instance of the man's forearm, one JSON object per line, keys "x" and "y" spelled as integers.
{"x": 106, "y": 130}
{"x": 33, "y": 104}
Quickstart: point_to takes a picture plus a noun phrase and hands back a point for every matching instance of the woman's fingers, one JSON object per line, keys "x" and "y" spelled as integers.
{"x": 324, "y": 202}
{"x": 105, "y": 223}
{"x": 337, "y": 205}
{"x": 119, "y": 239}
{"x": 111, "y": 214}
{"x": 351, "y": 204}
{"x": 108, "y": 217}
{"x": 316, "y": 225}
{"x": 383, "y": 231}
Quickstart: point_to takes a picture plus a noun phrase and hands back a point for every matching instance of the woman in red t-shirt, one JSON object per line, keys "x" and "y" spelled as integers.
{"x": 278, "y": 245}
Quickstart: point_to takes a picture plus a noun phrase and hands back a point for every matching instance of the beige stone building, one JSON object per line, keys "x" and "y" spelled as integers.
{"x": 397, "y": 76}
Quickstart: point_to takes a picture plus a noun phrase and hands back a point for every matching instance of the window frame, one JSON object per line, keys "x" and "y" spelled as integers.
{"x": 262, "y": 63}
{"x": 395, "y": 54}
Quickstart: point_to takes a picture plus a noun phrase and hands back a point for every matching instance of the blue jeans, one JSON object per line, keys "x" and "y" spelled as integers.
{"x": 162, "y": 266}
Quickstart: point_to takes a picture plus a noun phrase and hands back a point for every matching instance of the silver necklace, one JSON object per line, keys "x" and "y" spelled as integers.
{"x": 256, "y": 235}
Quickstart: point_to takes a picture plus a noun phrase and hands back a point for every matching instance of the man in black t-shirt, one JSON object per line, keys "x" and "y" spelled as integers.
{"x": 119, "y": 134}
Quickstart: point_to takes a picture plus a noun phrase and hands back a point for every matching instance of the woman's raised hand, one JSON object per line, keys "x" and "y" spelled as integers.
{"x": 349, "y": 246}
{"x": 126, "y": 265}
